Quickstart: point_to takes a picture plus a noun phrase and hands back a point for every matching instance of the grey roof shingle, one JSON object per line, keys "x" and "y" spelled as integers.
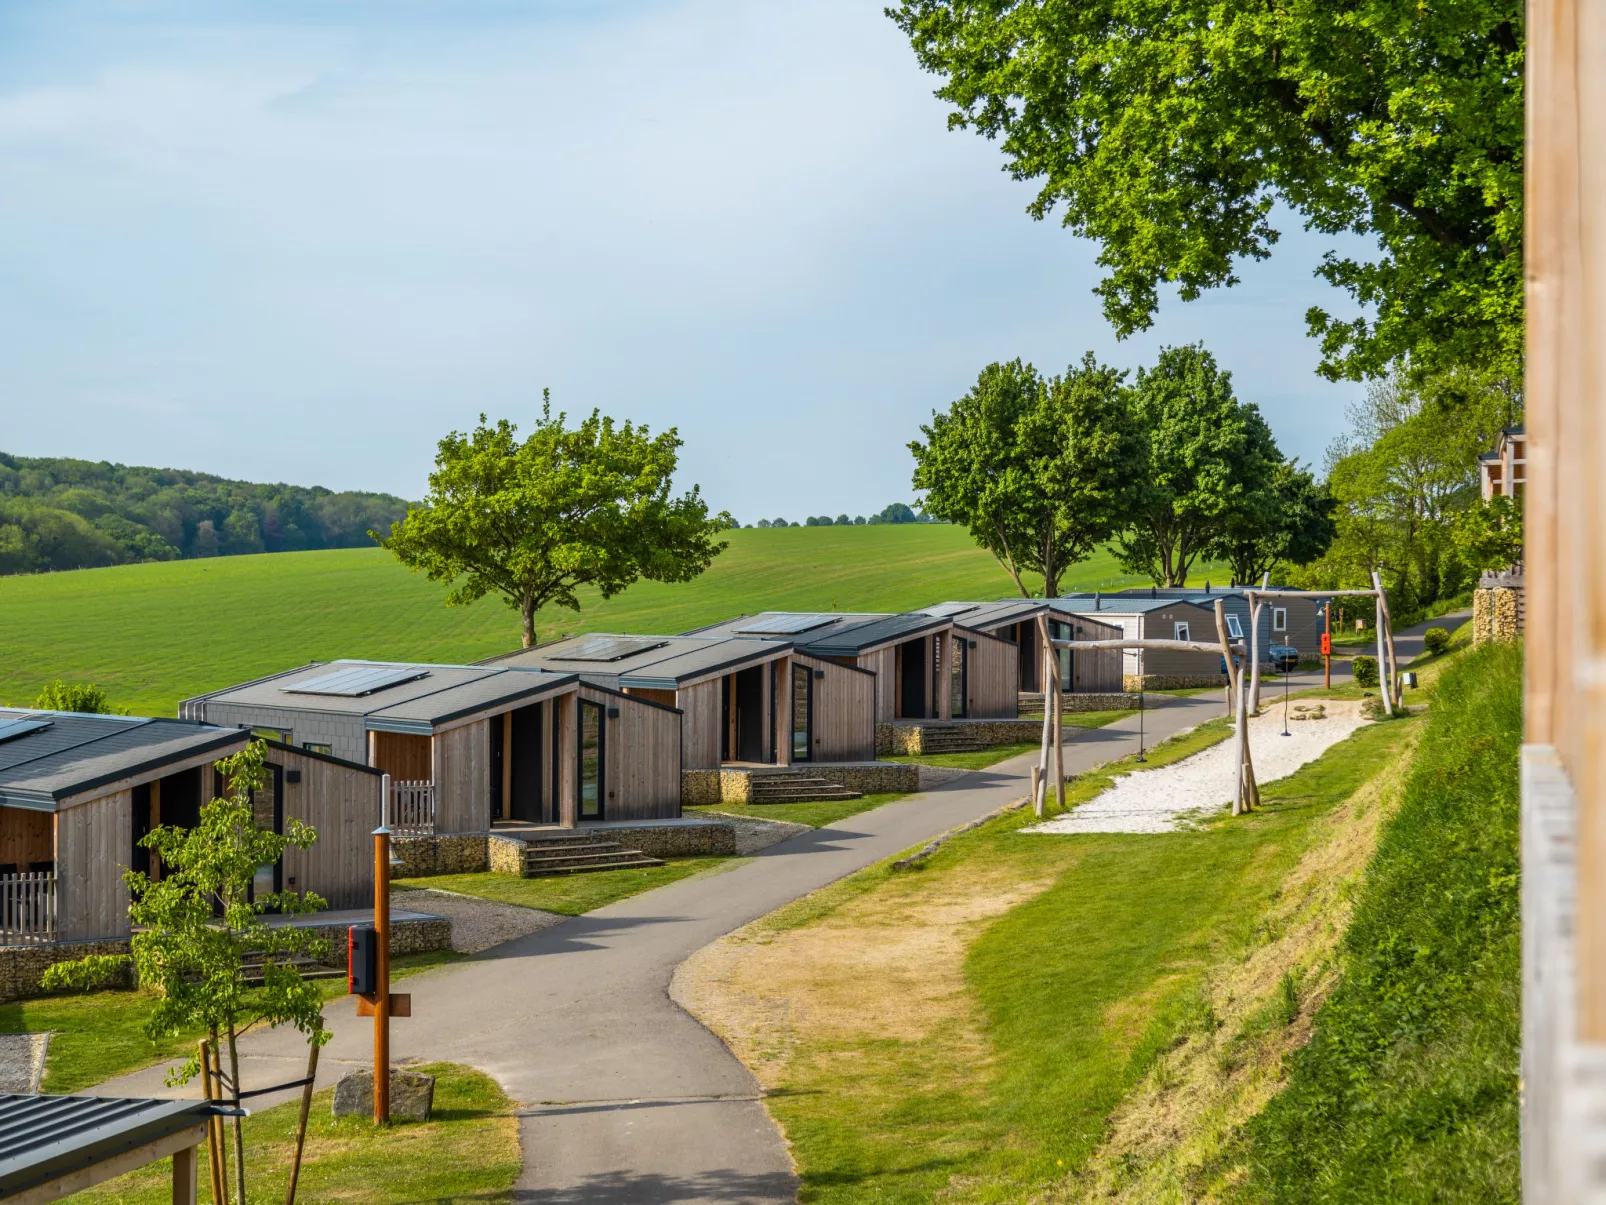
{"x": 674, "y": 661}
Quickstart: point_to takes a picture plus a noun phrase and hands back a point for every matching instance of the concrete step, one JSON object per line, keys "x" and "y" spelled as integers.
{"x": 623, "y": 859}
{"x": 797, "y": 788}
{"x": 946, "y": 740}
{"x": 590, "y": 846}
{"x": 251, "y": 969}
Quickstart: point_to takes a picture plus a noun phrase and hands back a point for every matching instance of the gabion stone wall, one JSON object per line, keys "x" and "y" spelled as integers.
{"x": 22, "y": 967}
{"x": 1497, "y": 614}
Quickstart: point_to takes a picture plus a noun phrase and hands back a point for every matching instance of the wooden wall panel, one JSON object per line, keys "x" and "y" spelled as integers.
{"x": 781, "y": 676}
{"x": 642, "y": 771}
{"x": 567, "y": 751}
{"x": 93, "y": 843}
{"x": 701, "y": 715}
{"x": 666, "y": 697}
{"x": 993, "y": 676}
{"x": 26, "y": 836}
{"x": 1160, "y": 624}
{"x": 343, "y": 805}
{"x": 402, "y": 755}
{"x": 884, "y": 665}
{"x": 844, "y": 711}
{"x": 463, "y": 778}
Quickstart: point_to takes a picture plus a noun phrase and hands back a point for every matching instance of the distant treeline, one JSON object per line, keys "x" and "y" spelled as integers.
{"x": 898, "y": 512}
{"x": 78, "y": 514}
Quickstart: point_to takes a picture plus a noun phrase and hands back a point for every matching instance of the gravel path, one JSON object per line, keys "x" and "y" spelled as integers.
{"x": 1155, "y": 801}
{"x": 22, "y": 1061}
{"x": 476, "y": 924}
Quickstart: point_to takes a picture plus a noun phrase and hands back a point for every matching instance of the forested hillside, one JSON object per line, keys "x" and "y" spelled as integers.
{"x": 79, "y": 514}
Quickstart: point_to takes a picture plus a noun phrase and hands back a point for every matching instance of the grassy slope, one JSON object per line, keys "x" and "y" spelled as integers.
{"x": 467, "y": 1151}
{"x": 1408, "y": 1090}
{"x": 156, "y": 633}
{"x": 1077, "y": 991}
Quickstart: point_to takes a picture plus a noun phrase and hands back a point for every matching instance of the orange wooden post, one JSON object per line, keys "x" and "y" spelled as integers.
{"x": 382, "y": 960}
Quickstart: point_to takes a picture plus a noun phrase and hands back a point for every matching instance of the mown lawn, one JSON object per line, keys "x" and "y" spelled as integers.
{"x": 568, "y": 895}
{"x": 100, "y": 1035}
{"x": 132, "y": 629}
{"x": 1069, "y": 997}
{"x": 815, "y": 815}
{"x": 467, "y": 1151}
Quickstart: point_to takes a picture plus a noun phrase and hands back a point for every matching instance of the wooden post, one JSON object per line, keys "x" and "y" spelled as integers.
{"x": 1254, "y": 654}
{"x": 301, "y": 1124}
{"x": 184, "y": 1175}
{"x": 382, "y": 959}
{"x": 1059, "y": 731}
{"x": 1040, "y": 779}
{"x": 1388, "y": 635}
{"x": 214, "y": 1142}
{"x": 1327, "y": 657}
{"x": 507, "y": 765}
{"x": 1238, "y": 732}
{"x": 1383, "y": 671}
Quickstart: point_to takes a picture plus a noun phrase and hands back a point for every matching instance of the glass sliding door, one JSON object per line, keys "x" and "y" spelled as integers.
{"x": 593, "y": 741}
{"x": 802, "y": 713}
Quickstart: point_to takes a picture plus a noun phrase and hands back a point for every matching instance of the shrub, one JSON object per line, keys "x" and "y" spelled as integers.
{"x": 74, "y": 696}
{"x": 1436, "y": 640}
{"x": 1365, "y": 671}
{"x": 1407, "y": 1091}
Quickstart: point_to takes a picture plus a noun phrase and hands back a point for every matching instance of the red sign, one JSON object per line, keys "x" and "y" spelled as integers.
{"x": 1327, "y": 644}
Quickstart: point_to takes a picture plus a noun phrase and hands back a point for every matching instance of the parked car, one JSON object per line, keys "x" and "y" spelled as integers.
{"x": 1284, "y": 658}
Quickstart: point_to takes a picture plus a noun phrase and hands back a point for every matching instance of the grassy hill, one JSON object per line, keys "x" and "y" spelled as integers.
{"x": 153, "y": 634}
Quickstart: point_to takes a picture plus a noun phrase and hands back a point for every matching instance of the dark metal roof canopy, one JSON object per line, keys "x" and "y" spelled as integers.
{"x": 43, "y": 1138}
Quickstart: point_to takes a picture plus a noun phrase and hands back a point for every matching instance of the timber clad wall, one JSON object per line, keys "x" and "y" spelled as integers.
{"x": 463, "y": 778}
{"x": 642, "y": 747}
{"x": 844, "y": 710}
{"x": 1160, "y": 624}
{"x": 992, "y": 675}
{"x": 342, "y": 803}
{"x": 93, "y": 843}
{"x": 26, "y": 836}
{"x": 884, "y": 665}
{"x": 702, "y": 710}
{"x": 402, "y": 755}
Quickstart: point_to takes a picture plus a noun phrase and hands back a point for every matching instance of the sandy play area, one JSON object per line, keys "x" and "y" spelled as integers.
{"x": 1153, "y": 801}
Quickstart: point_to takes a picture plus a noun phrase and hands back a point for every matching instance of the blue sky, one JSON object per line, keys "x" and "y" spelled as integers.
{"x": 301, "y": 242}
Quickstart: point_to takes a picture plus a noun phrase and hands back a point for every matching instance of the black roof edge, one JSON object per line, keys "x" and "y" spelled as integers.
{"x": 910, "y": 634}
{"x": 315, "y": 755}
{"x": 227, "y": 736}
{"x": 608, "y": 690}
{"x": 990, "y": 635}
{"x": 212, "y": 694}
{"x": 565, "y": 678}
{"x": 858, "y": 669}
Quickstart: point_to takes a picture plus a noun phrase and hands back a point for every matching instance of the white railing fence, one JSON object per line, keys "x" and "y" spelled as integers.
{"x": 412, "y": 809}
{"x": 27, "y": 909}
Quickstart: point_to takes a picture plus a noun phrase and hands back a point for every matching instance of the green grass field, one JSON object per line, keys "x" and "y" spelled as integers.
{"x": 156, "y": 633}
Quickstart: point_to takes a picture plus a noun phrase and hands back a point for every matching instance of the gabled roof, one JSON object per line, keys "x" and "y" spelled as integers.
{"x": 985, "y": 616}
{"x": 1117, "y": 604}
{"x": 845, "y": 634}
{"x": 671, "y": 662}
{"x": 438, "y": 694}
{"x": 75, "y": 753}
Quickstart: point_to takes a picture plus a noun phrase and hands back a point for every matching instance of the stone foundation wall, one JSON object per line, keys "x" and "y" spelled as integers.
{"x": 699, "y": 787}
{"x": 1175, "y": 681}
{"x": 22, "y": 967}
{"x": 1076, "y": 701}
{"x": 444, "y": 853}
{"x": 736, "y": 786}
{"x": 676, "y": 840}
{"x": 406, "y": 937}
{"x": 504, "y": 855}
{"x": 1497, "y": 614}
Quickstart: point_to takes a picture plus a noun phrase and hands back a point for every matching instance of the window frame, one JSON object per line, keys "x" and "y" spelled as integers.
{"x": 1180, "y": 629}
{"x": 1279, "y": 619}
{"x": 1235, "y": 627}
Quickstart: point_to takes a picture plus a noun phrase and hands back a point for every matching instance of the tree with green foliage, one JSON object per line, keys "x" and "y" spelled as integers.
{"x": 1488, "y": 534}
{"x": 1206, "y": 460}
{"x": 196, "y": 925}
{"x": 81, "y": 697}
{"x": 535, "y": 520}
{"x": 1041, "y": 470}
{"x": 1168, "y": 135}
{"x": 1287, "y": 521}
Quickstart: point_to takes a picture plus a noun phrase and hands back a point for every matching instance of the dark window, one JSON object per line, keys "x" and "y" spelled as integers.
{"x": 593, "y": 736}
{"x": 802, "y": 713}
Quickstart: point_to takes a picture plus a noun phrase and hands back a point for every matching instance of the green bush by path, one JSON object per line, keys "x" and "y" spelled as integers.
{"x": 153, "y": 634}
{"x": 1408, "y": 1089}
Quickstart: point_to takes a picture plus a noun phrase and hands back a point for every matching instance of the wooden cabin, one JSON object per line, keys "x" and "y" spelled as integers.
{"x": 1298, "y": 622}
{"x": 1149, "y": 619}
{"x": 907, "y": 654}
{"x": 467, "y": 746}
{"x": 78, "y": 792}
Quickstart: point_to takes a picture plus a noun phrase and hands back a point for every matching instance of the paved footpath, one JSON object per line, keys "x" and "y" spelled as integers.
{"x": 627, "y": 1097}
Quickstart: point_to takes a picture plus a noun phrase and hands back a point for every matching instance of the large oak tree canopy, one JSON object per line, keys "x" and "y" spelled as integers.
{"x": 535, "y": 520}
{"x": 1168, "y": 128}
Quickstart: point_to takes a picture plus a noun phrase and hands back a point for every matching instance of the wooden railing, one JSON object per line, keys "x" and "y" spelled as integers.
{"x": 412, "y": 809}
{"x": 27, "y": 909}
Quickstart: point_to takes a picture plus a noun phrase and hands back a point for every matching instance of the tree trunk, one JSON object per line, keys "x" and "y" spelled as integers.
{"x": 239, "y": 1133}
{"x": 527, "y": 615}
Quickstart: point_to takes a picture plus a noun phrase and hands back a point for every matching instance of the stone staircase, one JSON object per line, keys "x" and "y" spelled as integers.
{"x": 578, "y": 852}
{"x": 251, "y": 966}
{"x": 796, "y": 787}
{"x": 948, "y": 740}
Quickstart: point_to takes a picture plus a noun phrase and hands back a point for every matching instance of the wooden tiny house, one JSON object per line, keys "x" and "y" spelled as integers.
{"x": 1295, "y": 622}
{"x": 78, "y": 793}
{"x": 470, "y": 745}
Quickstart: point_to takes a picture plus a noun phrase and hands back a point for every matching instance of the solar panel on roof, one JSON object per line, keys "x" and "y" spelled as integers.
{"x": 787, "y": 625}
{"x": 610, "y": 648}
{"x": 356, "y": 681}
{"x": 15, "y": 728}
{"x": 944, "y": 610}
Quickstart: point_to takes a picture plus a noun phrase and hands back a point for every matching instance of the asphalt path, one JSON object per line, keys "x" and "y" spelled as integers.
{"x": 626, "y": 1097}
